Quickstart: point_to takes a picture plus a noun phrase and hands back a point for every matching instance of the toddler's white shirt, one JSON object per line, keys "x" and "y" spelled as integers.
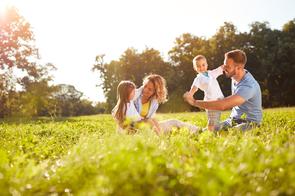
{"x": 209, "y": 84}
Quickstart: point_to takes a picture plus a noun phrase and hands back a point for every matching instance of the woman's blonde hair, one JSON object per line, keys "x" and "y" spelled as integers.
{"x": 124, "y": 90}
{"x": 160, "y": 86}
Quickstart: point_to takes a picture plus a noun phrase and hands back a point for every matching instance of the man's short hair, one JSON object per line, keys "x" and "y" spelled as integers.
{"x": 238, "y": 56}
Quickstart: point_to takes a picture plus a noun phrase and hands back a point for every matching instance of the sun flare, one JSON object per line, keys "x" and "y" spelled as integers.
{"x": 4, "y": 4}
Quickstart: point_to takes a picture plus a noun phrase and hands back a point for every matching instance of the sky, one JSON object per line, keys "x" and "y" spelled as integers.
{"x": 70, "y": 33}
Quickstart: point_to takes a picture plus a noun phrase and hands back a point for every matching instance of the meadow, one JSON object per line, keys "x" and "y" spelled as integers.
{"x": 85, "y": 156}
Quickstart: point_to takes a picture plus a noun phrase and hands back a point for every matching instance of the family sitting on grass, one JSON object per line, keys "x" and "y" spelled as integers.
{"x": 136, "y": 107}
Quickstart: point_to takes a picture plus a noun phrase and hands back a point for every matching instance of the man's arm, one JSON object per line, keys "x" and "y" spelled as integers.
{"x": 223, "y": 104}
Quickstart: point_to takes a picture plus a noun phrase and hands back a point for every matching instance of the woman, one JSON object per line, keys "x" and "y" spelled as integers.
{"x": 125, "y": 114}
{"x": 147, "y": 99}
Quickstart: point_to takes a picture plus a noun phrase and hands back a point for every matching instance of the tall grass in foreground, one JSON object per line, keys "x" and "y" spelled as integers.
{"x": 85, "y": 156}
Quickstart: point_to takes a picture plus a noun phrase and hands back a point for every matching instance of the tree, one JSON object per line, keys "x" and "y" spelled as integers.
{"x": 84, "y": 107}
{"x": 18, "y": 58}
{"x": 132, "y": 66}
{"x": 67, "y": 98}
{"x": 263, "y": 61}
{"x": 288, "y": 63}
{"x": 186, "y": 47}
{"x": 17, "y": 50}
{"x": 101, "y": 107}
{"x": 270, "y": 55}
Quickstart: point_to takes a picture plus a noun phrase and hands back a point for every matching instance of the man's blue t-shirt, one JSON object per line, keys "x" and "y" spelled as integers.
{"x": 249, "y": 89}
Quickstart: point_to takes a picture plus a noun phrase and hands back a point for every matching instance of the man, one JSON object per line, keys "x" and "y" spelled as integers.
{"x": 245, "y": 98}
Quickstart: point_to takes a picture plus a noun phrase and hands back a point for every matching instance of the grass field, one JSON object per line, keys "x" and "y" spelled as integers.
{"x": 85, "y": 156}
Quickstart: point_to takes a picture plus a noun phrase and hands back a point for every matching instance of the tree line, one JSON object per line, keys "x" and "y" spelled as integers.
{"x": 270, "y": 52}
{"x": 26, "y": 89}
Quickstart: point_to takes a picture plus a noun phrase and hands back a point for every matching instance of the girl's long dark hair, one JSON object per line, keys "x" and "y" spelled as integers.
{"x": 124, "y": 90}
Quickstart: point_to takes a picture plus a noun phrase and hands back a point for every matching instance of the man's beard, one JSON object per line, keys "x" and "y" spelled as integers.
{"x": 230, "y": 74}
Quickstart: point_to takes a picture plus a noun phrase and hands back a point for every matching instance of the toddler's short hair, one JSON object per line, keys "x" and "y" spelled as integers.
{"x": 197, "y": 58}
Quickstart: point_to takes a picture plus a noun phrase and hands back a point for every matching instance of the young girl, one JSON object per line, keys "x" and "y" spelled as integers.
{"x": 124, "y": 112}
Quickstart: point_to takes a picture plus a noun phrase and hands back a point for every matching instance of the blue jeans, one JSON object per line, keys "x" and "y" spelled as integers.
{"x": 240, "y": 124}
